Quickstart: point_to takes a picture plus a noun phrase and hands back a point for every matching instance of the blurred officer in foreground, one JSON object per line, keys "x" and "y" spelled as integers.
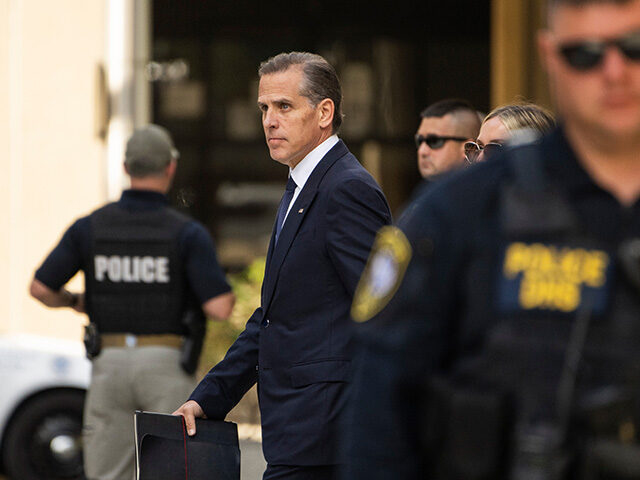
{"x": 150, "y": 274}
{"x": 501, "y": 322}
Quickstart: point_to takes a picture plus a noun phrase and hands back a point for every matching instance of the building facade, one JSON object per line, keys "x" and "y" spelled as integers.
{"x": 77, "y": 76}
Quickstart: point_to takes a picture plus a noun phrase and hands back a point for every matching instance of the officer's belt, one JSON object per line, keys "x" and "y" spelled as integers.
{"x": 129, "y": 340}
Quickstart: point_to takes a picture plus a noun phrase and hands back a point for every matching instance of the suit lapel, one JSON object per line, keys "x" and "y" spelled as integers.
{"x": 278, "y": 252}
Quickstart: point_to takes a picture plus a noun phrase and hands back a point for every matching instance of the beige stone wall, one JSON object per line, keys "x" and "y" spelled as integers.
{"x": 53, "y": 165}
{"x": 4, "y": 155}
{"x": 516, "y": 72}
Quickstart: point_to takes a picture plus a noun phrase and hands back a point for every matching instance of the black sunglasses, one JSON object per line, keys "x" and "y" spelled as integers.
{"x": 435, "y": 141}
{"x": 472, "y": 150}
{"x": 588, "y": 54}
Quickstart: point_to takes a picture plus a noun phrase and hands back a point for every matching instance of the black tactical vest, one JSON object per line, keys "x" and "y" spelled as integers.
{"x": 554, "y": 394}
{"x": 135, "y": 281}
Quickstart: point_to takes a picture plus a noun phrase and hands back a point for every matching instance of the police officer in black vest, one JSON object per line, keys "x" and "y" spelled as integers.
{"x": 151, "y": 276}
{"x": 499, "y": 330}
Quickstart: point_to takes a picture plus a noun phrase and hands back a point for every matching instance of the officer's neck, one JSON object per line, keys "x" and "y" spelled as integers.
{"x": 612, "y": 163}
{"x": 151, "y": 183}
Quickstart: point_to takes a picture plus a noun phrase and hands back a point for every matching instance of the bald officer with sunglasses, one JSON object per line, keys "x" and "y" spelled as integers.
{"x": 500, "y": 324}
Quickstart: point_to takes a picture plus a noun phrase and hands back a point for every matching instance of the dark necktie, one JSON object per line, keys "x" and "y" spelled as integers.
{"x": 284, "y": 205}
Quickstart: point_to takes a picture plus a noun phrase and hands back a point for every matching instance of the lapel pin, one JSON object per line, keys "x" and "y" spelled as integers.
{"x": 301, "y": 210}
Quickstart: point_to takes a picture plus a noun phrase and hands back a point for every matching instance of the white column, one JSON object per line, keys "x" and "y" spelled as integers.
{"x": 142, "y": 52}
{"x": 128, "y": 47}
{"x": 120, "y": 14}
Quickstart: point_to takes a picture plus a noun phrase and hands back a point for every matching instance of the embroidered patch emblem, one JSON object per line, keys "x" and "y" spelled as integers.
{"x": 553, "y": 277}
{"x": 383, "y": 273}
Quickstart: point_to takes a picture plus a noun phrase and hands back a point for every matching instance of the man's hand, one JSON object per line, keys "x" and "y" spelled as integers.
{"x": 61, "y": 298}
{"x": 79, "y": 305}
{"x": 190, "y": 411}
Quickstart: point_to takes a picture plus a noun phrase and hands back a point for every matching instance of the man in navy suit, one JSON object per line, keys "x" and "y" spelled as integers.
{"x": 298, "y": 344}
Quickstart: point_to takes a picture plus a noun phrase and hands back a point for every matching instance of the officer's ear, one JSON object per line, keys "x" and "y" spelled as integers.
{"x": 170, "y": 170}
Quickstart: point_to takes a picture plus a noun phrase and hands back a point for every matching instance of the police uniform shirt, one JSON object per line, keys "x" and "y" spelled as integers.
{"x": 205, "y": 276}
{"x": 419, "y": 191}
{"x": 431, "y": 296}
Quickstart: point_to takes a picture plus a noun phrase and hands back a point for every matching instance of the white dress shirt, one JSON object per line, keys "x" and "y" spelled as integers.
{"x": 303, "y": 170}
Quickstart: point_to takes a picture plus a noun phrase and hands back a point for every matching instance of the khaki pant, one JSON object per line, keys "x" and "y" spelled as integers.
{"x": 124, "y": 380}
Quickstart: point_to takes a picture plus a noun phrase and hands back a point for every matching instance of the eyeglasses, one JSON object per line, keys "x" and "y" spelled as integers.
{"x": 589, "y": 53}
{"x": 472, "y": 150}
{"x": 435, "y": 141}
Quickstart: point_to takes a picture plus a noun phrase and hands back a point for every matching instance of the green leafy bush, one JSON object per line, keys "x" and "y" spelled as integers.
{"x": 220, "y": 335}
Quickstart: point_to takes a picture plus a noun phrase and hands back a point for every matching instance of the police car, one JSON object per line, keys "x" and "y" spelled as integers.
{"x": 42, "y": 387}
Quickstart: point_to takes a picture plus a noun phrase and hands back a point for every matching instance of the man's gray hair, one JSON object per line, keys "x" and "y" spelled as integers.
{"x": 320, "y": 79}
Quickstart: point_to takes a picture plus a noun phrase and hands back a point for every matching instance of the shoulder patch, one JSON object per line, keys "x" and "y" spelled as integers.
{"x": 383, "y": 273}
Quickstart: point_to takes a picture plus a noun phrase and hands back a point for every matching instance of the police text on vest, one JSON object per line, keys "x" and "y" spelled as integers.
{"x": 131, "y": 269}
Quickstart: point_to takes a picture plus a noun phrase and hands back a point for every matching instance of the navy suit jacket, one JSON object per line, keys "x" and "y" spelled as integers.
{"x": 298, "y": 344}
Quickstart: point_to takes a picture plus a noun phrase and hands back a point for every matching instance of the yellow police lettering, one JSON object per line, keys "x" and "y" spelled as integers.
{"x": 594, "y": 268}
{"x": 516, "y": 260}
{"x": 551, "y": 277}
{"x": 570, "y": 265}
{"x": 128, "y": 269}
{"x": 543, "y": 259}
{"x": 552, "y": 295}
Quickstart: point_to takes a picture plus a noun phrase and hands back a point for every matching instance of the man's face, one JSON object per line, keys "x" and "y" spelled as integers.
{"x": 431, "y": 161}
{"x": 292, "y": 126}
{"x": 603, "y": 101}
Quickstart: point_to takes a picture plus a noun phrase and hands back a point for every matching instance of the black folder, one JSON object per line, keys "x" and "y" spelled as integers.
{"x": 164, "y": 451}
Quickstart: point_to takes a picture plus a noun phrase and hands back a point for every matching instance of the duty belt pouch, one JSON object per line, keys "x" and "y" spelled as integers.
{"x": 467, "y": 432}
{"x": 194, "y": 323}
{"x": 92, "y": 341}
{"x": 629, "y": 254}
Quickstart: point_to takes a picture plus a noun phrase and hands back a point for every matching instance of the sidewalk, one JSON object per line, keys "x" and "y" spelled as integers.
{"x": 252, "y": 463}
